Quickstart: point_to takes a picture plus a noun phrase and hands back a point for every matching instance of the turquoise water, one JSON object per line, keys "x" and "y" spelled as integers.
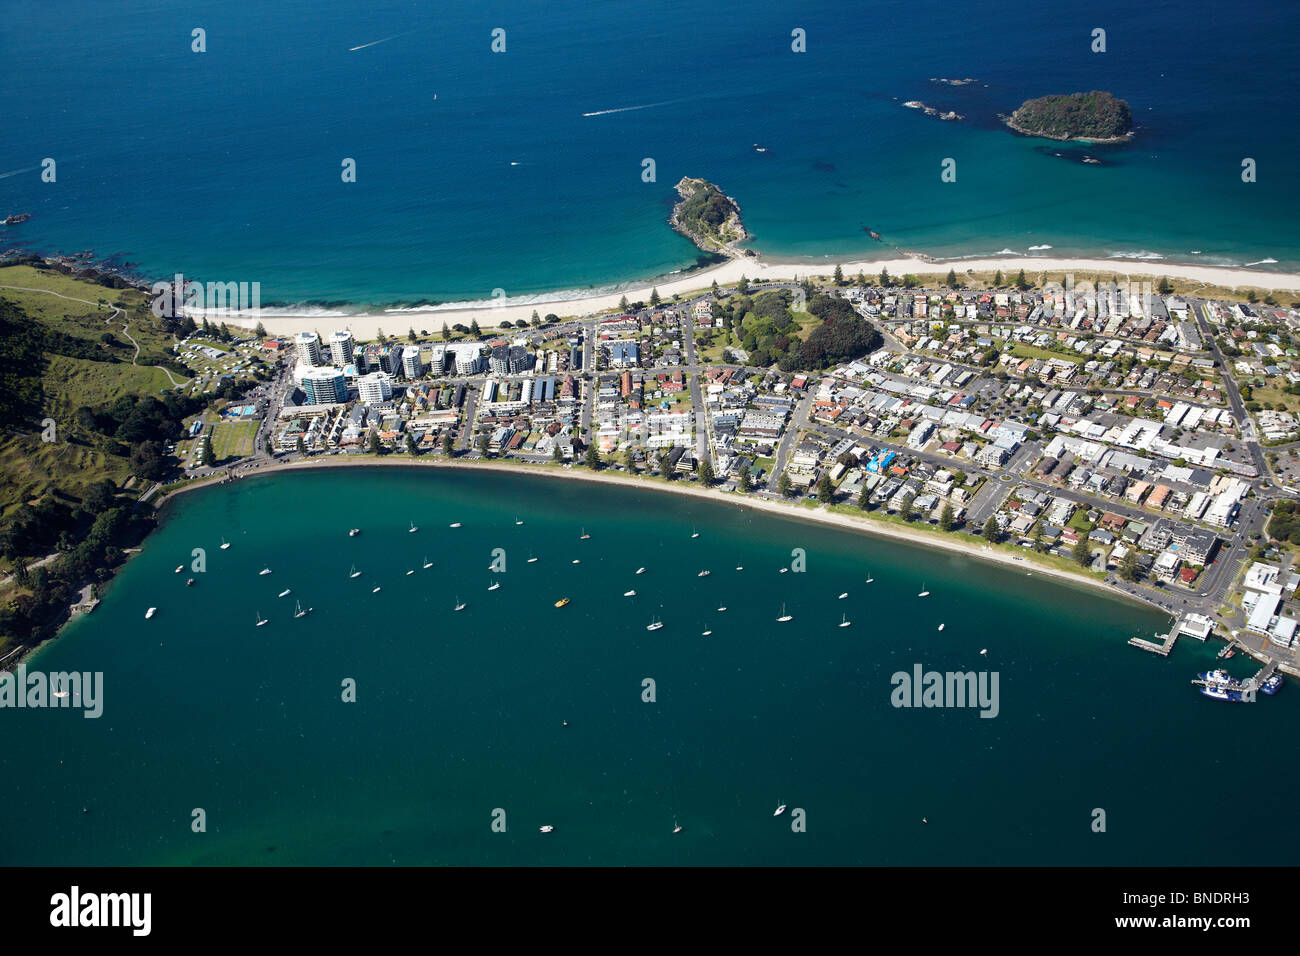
{"x": 458, "y": 714}
{"x": 226, "y": 165}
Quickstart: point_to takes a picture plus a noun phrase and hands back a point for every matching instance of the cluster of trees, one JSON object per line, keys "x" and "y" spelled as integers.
{"x": 843, "y": 335}
{"x": 1284, "y": 525}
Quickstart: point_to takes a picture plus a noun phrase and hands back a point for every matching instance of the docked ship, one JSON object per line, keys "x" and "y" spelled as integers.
{"x": 1272, "y": 685}
{"x": 1221, "y": 685}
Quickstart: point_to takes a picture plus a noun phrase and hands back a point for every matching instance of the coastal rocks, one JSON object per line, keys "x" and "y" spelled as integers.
{"x": 951, "y": 116}
{"x": 950, "y": 82}
{"x": 708, "y": 218}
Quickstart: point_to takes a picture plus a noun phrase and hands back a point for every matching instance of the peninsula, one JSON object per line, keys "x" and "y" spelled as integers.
{"x": 1097, "y": 117}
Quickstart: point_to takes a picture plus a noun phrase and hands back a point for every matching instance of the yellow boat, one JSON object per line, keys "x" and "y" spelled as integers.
{"x": 561, "y": 602}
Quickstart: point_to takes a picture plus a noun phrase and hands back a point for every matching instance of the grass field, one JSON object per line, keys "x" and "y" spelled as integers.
{"x": 31, "y": 468}
{"x": 1020, "y": 350}
{"x": 70, "y": 383}
{"x": 233, "y": 439}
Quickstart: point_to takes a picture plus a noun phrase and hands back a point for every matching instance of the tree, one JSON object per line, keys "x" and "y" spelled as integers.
{"x": 991, "y": 531}
{"x": 1021, "y": 284}
{"x": 1037, "y": 537}
{"x": 705, "y": 471}
{"x": 446, "y": 332}
{"x": 825, "y": 490}
{"x": 864, "y": 498}
{"x": 300, "y": 445}
{"x": 260, "y": 331}
{"x": 556, "y": 454}
{"x": 1164, "y": 287}
{"x": 997, "y": 279}
{"x": 448, "y": 444}
{"x": 884, "y": 278}
{"x": 147, "y": 461}
{"x": 838, "y": 275}
{"x": 714, "y": 287}
{"x": 946, "y": 518}
{"x": 783, "y": 486}
{"x": 375, "y": 447}
{"x": 474, "y": 330}
{"x": 951, "y": 280}
{"x": 666, "y": 467}
{"x": 592, "y": 459}
{"x": 629, "y": 462}
{"x": 905, "y": 509}
{"x": 484, "y": 441}
{"x": 743, "y": 285}
{"x": 536, "y": 320}
{"x": 410, "y": 444}
{"x": 654, "y": 298}
{"x": 1128, "y": 568}
{"x": 743, "y": 483}
{"x": 410, "y": 334}
{"x": 1082, "y": 552}
{"x": 622, "y": 304}
{"x": 209, "y": 458}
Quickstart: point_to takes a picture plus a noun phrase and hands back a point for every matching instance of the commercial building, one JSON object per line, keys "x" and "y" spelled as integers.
{"x": 375, "y": 388}
{"x": 341, "y": 347}
{"x": 308, "y": 344}
{"x": 324, "y": 385}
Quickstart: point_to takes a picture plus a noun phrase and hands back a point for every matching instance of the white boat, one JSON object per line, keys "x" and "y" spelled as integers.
{"x": 150, "y": 613}
{"x": 640, "y": 570}
{"x": 723, "y": 608}
{"x": 179, "y": 569}
{"x": 531, "y": 559}
{"x": 941, "y": 627}
{"x": 284, "y": 593}
{"x": 494, "y": 585}
{"x": 224, "y": 544}
{"x": 518, "y": 522}
{"x": 705, "y": 633}
{"x": 454, "y": 524}
{"x": 694, "y": 533}
{"x": 460, "y": 605}
{"x": 654, "y": 625}
{"x": 870, "y": 579}
{"x": 374, "y": 590}
{"x": 300, "y": 611}
{"x": 629, "y": 594}
{"x": 844, "y": 620}
{"x": 785, "y": 617}
{"x": 740, "y": 567}
{"x": 984, "y": 651}
{"x": 677, "y": 827}
{"x": 410, "y": 572}
{"x": 783, "y": 570}
{"x": 843, "y": 596}
{"x": 546, "y": 829}
{"x": 354, "y": 573}
{"x": 264, "y": 571}
{"x": 353, "y": 532}
{"x": 924, "y": 592}
{"x": 60, "y": 693}
{"x": 412, "y": 529}
{"x": 704, "y": 574}
{"x": 427, "y": 563}
{"x": 584, "y": 536}
{"x": 779, "y": 810}
{"x": 576, "y": 561}
{"x": 260, "y": 620}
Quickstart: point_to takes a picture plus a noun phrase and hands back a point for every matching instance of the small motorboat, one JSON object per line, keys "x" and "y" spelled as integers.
{"x": 629, "y": 594}
{"x": 784, "y": 570}
{"x": 494, "y": 585}
{"x": 354, "y": 532}
{"x": 179, "y": 569}
{"x": 410, "y": 572}
{"x": 546, "y": 829}
{"x": 264, "y": 571}
{"x": 562, "y": 602}
{"x": 640, "y": 570}
{"x": 779, "y": 810}
{"x": 843, "y": 596}
{"x": 189, "y": 582}
{"x": 284, "y": 593}
{"x": 374, "y": 590}
{"x": 941, "y": 627}
{"x": 704, "y": 574}
{"x": 454, "y": 524}
{"x": 150, "y": 613}
{"x": 225, "y": 545}
{"x": 531, "y": 559}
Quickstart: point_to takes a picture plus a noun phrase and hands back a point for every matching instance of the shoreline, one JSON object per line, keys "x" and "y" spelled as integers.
{"x": 489, "y": 315}
{"x": 819, "y": 515}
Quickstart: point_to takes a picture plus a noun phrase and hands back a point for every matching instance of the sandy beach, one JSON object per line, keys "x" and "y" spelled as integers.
{"x": 489, "y": 315}
{"x": 820, "y": 515}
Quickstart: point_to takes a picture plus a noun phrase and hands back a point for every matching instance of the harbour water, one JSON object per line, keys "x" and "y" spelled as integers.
{"x": 522, "y": 170}
{"x": 458, "y": 715}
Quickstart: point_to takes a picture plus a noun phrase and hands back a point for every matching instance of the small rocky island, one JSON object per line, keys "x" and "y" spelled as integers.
{"x": 951, "y": 116}
{"x": 1097, "y": 117}
{"x": 707, "y": 217}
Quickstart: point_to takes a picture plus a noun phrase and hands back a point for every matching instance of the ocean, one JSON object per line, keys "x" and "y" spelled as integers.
{"x": 522, "y": 170}
{"x": 460, "y": 719}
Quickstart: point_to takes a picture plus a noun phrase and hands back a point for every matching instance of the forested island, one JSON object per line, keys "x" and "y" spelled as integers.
{"x": 708, "y": 218}
{"x": 1097, "y": 116}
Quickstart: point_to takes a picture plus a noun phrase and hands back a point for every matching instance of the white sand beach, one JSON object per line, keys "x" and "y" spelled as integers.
{"x": 489, "y": 314}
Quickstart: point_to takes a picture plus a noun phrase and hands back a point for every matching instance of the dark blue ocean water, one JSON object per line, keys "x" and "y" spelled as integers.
{"x": 226, "y": 164}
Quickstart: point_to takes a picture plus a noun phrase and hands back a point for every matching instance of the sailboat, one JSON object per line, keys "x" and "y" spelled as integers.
{"x": 844, "y": 620}
{"x": 576, "y": 561}
{"x": 706, "y": 633}
{"x": 924, "y": 592}
{"x": 785, "y": 617}
{"x": 410, "y": 572}
{"x": 531, "y": 558}
{"x": 722, "y": 608}
{"x": 224, "y": 544}
{"x": 843, "y": 596}
{"x": 260, "y": 620}
{"x": 740, "y": 567}
{"x": 264, "y": 571}
{"x": 460, "y": 605}
{"x": 677, "y": 827}
{"x": 412, "y": 529}
{"x": 640, "y": 570}
{"x": 375, "y": 589}
{"x": 629, "y": 593}
{"x": 354, "y": 573}
{"x": 584, "y": 536}
{"x": 704, "y": 574}
{"x": 284, "y": 593}
{"x": 300, "y": 612}
{"x": 518, "y": 522}
{"x": 494, "y": 585}
{"x": 654, "y": 625}
{"x": 427, "y": 563}
{"x": 694, "y": 533}
{"x": 869, "y": 577}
